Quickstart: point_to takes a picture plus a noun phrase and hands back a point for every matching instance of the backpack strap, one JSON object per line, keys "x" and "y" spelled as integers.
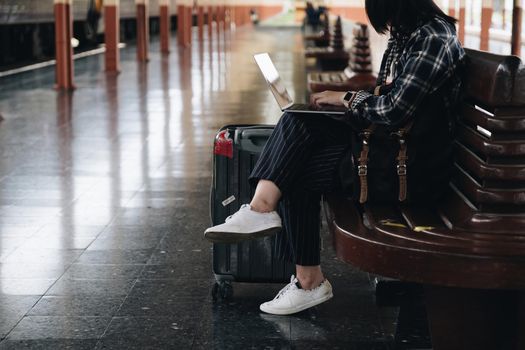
{"x": 362, "y": 168}
{"x": 402, "y": 158}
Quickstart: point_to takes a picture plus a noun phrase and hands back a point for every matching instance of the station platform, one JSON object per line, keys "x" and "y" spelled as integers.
{"x": 104, "y": 197}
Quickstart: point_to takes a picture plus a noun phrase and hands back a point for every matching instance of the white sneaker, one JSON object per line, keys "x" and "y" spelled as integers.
{"x": 243, "y": 225}
{"x": 292, "y": 299}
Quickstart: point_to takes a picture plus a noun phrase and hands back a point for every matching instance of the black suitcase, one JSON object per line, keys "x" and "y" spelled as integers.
{"x": 236, "y": 150}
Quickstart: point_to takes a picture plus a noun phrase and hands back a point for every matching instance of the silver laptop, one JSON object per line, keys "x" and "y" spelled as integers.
{"x": 282, "y": 96}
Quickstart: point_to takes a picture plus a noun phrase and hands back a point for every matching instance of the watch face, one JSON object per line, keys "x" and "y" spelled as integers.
{"x": 348, "y": 96}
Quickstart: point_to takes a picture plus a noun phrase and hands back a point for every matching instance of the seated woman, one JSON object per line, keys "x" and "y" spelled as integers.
{"x": 419, "y": 80}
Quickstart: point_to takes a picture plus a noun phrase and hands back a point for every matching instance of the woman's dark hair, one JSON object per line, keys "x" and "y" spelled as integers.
{"x": 402, "y": 15}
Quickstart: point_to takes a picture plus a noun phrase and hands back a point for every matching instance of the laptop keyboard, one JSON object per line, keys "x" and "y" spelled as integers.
{"x": 303, "y": 107}
{"x": 308, "y": 107}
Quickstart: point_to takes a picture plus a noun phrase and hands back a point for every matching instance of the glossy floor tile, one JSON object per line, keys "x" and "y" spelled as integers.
{"x": 104, "y": 196}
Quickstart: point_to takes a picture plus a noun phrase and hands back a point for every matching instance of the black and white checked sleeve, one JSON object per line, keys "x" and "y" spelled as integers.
{"x": 428, "y": 65}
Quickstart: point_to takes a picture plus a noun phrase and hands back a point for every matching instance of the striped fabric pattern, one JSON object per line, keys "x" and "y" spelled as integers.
{"x": 302, "y": 158}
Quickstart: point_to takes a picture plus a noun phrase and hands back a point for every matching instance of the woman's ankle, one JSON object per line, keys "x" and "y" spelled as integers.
{"x": 266, "y": 197}
{"x": 308, "y": 284}
{"x": 261, "y": 206}
{"x": 310, "y": 277}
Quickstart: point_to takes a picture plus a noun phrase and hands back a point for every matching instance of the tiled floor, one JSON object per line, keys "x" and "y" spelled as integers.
{"x": 104, "y": 198}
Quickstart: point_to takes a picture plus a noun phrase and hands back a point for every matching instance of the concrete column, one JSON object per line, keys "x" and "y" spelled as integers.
{"x": 63, "y": 48}
{"x": 112, "y": 35}
{"x": 461, "y": 23}
{"x": 142, "y": 30}
{"x": 165, "y": 25}
{"x": 486, "y": 22}
{"x": 517, "y": 14}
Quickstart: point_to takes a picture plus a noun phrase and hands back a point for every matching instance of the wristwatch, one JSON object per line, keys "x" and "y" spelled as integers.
{"x": 348, "y": 98}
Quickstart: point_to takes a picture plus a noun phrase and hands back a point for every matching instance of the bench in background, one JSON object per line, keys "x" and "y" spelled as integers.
{"x": 357, "y": 76}
{"x": 321, "y": 39}
{"x": 334, "y": 57}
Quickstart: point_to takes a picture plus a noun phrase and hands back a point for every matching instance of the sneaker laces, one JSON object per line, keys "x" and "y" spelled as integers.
{"x": 286, "y": 288}
{"x": 237, "y": 212}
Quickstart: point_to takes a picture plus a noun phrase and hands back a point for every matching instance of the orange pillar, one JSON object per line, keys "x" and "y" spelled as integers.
{"x": 517, "y": 14}
{"x": 200, "y": 21}
{"x": 165, "y": 26}
{"x": 486, "y": 22}
{"x": 218, "y": 19}
{"x": 223, "y": 16}
{"x": 241, "y": 15}
{"x": 63, "y": 48}
{"x": 112, "y": 35}
{"x": 233, "y": 15}
{"x": 240, "y": 11}
{"x": 452, "y": 8}
{"x": 228, "y": 15}
{"x": 188, "y": 22}
{"x": 181, "y": 26}
{"x": 461, "y": 23}
{"x": 142, "y": 30}
{"x": 210, "y": 21}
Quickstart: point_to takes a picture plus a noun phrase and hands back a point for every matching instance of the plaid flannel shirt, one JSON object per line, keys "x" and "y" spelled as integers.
{"x": 430, "y": 59}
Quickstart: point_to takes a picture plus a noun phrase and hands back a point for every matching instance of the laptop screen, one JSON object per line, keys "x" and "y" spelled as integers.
{"x": 274, "y": 80}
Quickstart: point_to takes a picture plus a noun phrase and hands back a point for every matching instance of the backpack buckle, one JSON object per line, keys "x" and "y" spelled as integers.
{"x": 401, "y": 170}
{"x": 362, "y": 170}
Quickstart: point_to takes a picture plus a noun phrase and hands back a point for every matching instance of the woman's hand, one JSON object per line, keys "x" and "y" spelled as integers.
{"x": 327, "y": 98}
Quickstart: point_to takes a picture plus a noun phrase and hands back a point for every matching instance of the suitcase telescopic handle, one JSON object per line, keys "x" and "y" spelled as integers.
{"x": 253, "y": 140}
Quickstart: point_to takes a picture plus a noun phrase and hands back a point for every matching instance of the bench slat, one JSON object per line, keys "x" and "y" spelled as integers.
{"x": 463, "y": 215}
{"x": 482, "y": 195}
{"x": 469, "y": 161}
{"x": 474, "y": 117}
{"x": 490, "y": 149}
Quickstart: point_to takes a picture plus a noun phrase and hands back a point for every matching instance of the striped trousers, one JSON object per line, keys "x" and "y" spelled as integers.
{"x": 302, "y": 158}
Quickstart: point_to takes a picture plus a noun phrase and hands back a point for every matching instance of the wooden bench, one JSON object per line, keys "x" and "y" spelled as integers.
{"x": 334, "y": 57}
{"x": 468, "y": 252}
{"x": 357, "y": 76}
{"x": 321, "y": 39}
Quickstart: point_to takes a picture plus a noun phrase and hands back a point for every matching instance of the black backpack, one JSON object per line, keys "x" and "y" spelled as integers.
{"x": 404, "y": 163}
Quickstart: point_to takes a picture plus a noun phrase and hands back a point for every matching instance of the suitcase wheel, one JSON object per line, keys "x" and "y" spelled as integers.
{"x": 222, "y": 290}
